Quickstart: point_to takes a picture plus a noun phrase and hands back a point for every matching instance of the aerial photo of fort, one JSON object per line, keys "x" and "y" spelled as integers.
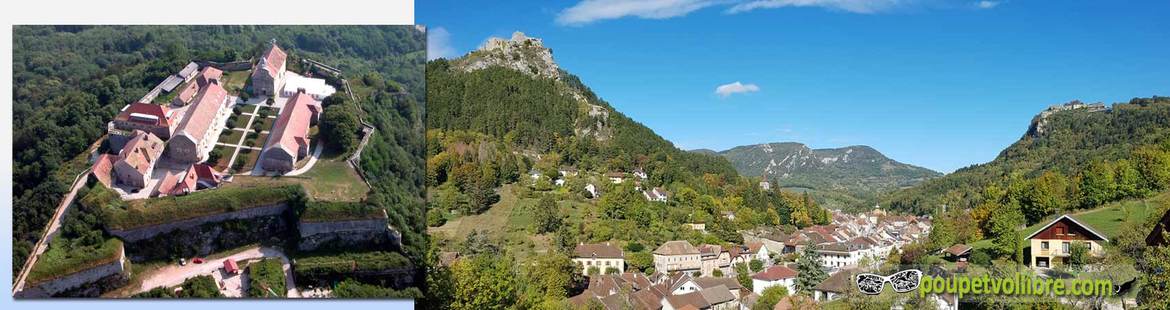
{"x": 218, "y": 161}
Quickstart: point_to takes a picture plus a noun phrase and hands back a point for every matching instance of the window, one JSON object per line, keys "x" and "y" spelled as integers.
{"x": 1065, "y": 247}
{"x": 1059, "y": 231}
{"x": 1044, "y": 245}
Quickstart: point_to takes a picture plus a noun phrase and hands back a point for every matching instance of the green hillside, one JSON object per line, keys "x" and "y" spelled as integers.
{"x": 837, "y": 176}
{"x": 1074, "y": 146}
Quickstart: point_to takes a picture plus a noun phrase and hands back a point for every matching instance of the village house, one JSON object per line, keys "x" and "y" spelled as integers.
{"x": 772, "y": 239}
{"x": 1052, "y": 244}
{"x": 714, "y": 258}
{"x": 209, "y": 75}
{"x": 958, "y": 252}
{"x": 842, "y": 254}
{"x": 136, "y": 160}
{"x": 641, "y": 174}
{"x": 657, "y": 194}
{"x": 268, "y": 77}
{"x": 289, "y": 141}
{"x": 178, "y": 184}
{"x": 592, "y": 190}
{"x": 678, "y": 255}
{"x": 197, "y": 133}
{"x": 152, "y": 118}
{"x": 833, "y": 287}
{"x": 616, "y": 177}
{"x": 773, "y": 276}
{"x": 603, "y": 256}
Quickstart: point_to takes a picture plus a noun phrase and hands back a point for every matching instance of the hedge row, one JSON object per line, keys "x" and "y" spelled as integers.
{"x": 331, "y": 266}
{"x": 266, "y": 279}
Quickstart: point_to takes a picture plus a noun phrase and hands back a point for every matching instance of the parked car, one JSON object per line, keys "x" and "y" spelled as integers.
{"x": 197, "y": 260}
{"x": 182, "y": 262}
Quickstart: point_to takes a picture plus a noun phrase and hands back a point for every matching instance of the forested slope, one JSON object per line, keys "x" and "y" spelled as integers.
{"x": 70, "y": 80}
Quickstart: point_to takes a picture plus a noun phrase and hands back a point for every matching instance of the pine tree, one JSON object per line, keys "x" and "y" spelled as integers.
{"x": 808, "y": 268}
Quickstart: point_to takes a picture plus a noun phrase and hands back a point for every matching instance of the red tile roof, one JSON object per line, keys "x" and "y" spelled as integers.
{"x": 597, "y": 250}
{"x": 292, "y": 126}
{"x": 208, "y": 74}
{"x": 141, "y": 151}
{"x": 145, "y": 113}
{"x": 102, "y": 169}
{"x": 775, "y": 273}
{"x": 202, "y": 112}
{"x": 208, "y": 174}
{"x": 274, "y": 59}
{"x": 178, "y": 183}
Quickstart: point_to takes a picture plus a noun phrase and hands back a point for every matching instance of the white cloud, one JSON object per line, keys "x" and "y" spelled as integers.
{"x": 439, "y": 43}
{"x": 987, "y": 4}
{"x": 735, "y": 88}
{"x": 853, "y": 6}
{"x": 588, "y": 11}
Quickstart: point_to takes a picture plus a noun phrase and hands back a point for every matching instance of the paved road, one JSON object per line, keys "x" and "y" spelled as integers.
{"x": 50, "y": 231}
{"x": 173, "y": 274}
{"x": 312, "y": 160}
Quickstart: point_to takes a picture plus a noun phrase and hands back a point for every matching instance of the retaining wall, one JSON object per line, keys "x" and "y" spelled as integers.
{"x": 142, "y": 233}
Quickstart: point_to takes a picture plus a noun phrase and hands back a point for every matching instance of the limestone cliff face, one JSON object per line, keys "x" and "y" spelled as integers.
{"x": 521, "y": 53}
{"x": 347, "y": 234}
{"x": 529, "y": 56}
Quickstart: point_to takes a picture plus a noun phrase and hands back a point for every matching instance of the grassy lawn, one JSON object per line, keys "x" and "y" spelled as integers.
{"x": 234, "y": 81}
{"x": 240, "y": 120}
{"x": 62, "y": 259}
{"x": 230, "y": 136}
{"x": 1107, "y": 219}
{"x": 328, "y": 181}
{"x": 510, "y": 220}
{"x": 263, "y": 123}
{"x": 264, "y": 108}
{"x": 222, "y": 164}
{"x": 249, "y": 157}
{"x": 259, "y": 141}
{"x": 334, "y": 180}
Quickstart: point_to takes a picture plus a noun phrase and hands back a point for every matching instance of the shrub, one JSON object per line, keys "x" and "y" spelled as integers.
{"x": 266, "y": 279}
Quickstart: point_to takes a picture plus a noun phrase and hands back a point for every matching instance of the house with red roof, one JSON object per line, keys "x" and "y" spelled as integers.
{"x": 178, "y": 184}
{"x": 268, "y": 76}
{"x": 209, "y": 75}
{"x": 197, "y": 133}
{"x": 289, "y": 141}
{"x": 136, "y": 160}
{"x": 773, "y": 276}
{"x": 148, "y": 117}
{"x": 103, "y": 169}
{"x": 207, "y": 176}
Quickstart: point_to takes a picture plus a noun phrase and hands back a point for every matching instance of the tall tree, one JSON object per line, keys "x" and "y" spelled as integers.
{"x": 808, "y": 269}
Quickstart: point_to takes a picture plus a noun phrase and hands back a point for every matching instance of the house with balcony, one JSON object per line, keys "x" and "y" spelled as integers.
{"x": 1051, "y": 245}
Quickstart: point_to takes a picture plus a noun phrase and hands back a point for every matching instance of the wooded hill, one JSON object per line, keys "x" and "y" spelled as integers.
{"x": 836, "y": 176}
{"x": 1083, "y": 158}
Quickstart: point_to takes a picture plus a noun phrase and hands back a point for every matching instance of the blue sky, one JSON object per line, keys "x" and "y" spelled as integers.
{"x": 937, "y": 83}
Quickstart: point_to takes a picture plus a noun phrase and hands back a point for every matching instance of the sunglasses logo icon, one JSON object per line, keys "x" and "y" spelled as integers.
{"x": 902, "y": 281}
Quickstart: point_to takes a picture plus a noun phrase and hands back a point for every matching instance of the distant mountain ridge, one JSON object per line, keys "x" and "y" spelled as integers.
{"x": 859, "y": 172}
